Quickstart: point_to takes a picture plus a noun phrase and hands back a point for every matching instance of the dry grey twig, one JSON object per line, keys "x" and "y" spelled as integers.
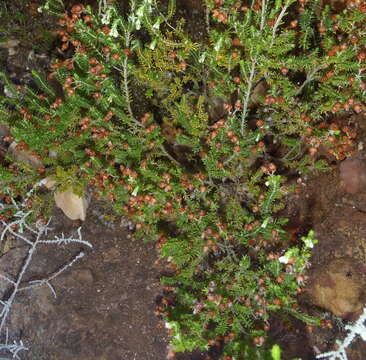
{"x": 33, "y": 235}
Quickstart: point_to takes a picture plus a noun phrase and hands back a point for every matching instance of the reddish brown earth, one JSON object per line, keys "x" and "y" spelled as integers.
{"x": 105, "y": 303}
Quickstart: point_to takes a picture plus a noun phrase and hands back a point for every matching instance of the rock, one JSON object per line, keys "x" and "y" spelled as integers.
{"x": 338, "y": 288}
{"x": 352, "y": 174}
{"x": 48, "y": 183}
{"x": 73, "y": 206}
{"x": 24, "y": 156}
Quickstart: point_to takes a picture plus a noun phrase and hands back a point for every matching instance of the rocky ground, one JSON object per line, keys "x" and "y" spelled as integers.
{"x": 105, "y": 303}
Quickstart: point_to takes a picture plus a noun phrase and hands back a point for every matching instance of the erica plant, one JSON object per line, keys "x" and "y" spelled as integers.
{"x": 181, "y": 136}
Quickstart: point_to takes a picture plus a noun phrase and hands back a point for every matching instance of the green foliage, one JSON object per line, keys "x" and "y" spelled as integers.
{"x": 198, "y": 180}
{"x": 276, "y": 352}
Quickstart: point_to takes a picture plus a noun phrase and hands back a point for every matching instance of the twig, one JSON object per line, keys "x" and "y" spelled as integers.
{"x": 9, "y": 302}
{"x": 63, "y": 240}
{"x": 7, "y": 279}
{"x": 39, "y": 230}
{"x": 309, "y": 77}
{"x": 252, "y": 73}
{"x": 165, "y": 152}
{"x": 125, "y": 76}
{"x": 14, "y": 349}
{"x": 255, "y": 59}
{"x": 232, "y": 157}
{"x": 102, "y": 7}
{"x": 358, "y": 328}
{"x": 247, "y": 95}
{"x": 263, "y": 14}
{"x": 8, "y": 228}
{"x": 207, "y": 18}
{"x": 126, "y": 90}
{"x": 36, "y": 283}
{"x": 278, "y": 21}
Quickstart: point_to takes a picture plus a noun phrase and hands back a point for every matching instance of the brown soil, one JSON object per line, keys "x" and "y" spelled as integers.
{"x": 105, "y": 303}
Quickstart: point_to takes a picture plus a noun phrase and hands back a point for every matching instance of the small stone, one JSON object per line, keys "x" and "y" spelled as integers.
{"x": 337, "y": 287}
{"x": 49, "y": 183}
{"x": 24, "y": 156}
{"x": 352, "y": 174}
{"x": 73, "y": 206}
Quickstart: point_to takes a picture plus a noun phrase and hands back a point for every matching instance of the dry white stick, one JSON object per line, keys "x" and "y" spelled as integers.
{"x": 357, "y": 329}
{"x": 36, "y": 233}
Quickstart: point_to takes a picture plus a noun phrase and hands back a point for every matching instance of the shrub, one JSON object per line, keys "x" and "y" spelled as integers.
{"x": 177, "y": 135}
